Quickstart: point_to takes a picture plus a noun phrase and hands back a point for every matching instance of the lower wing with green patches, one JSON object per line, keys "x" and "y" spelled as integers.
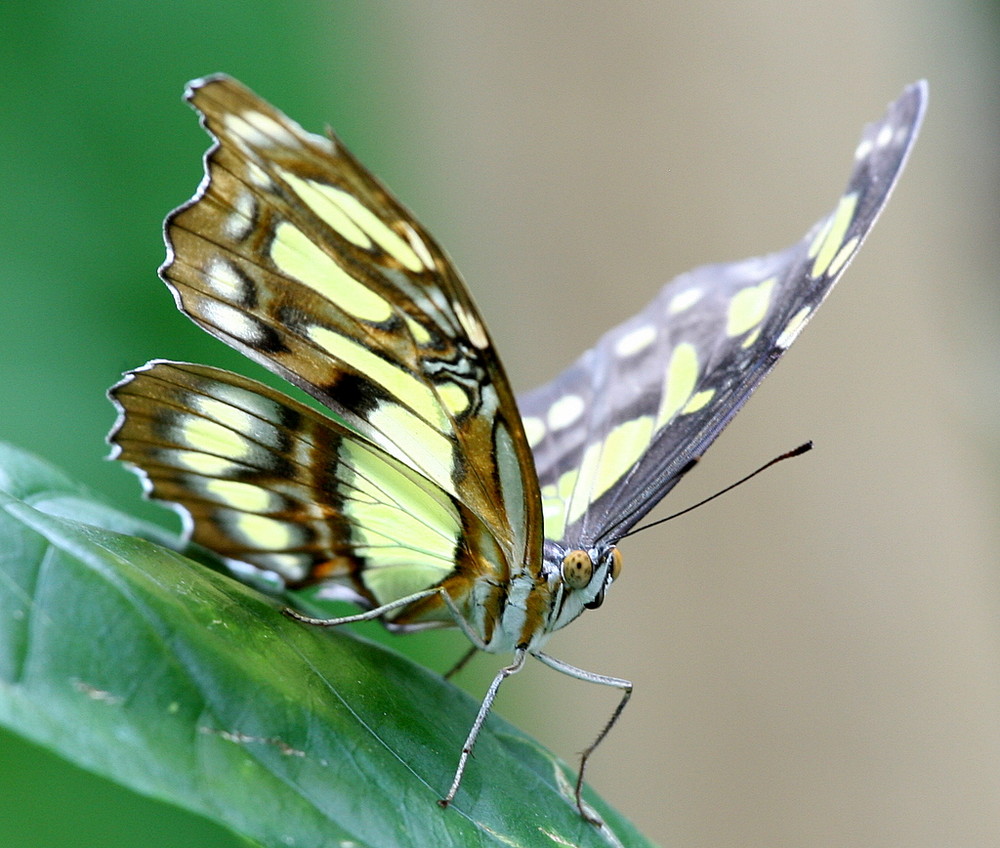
{"x": 267, "y": 481}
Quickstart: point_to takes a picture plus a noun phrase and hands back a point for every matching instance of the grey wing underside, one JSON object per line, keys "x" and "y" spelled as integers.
{"x": 615, "y": 431}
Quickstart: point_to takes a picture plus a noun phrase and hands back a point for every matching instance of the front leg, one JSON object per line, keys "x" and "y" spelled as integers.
{"x": 520, "y": 655}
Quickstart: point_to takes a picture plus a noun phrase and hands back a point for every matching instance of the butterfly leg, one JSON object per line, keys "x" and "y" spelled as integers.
{"x": 367, "y": 615}
{"x": 477, "y": 644}
{"x": 604, "y": 680}
{"x": 520, "y": 655}
{"x": 377, "y": 612}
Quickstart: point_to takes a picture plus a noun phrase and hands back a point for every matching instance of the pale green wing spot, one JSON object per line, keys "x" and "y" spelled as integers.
{"x": 680, "y": 382}
{"x": 748, "y": 307}
{"x": 604, "y": 463}
{"x": 416, "y": 443}
{"x": 297, "y": 256}
{"x": 419, "y": 333}
{"x": 322, "y": 199}
{"x": 199, "y": 463}
{"x": 209, "y": 437}
{"x": 834, "y": 237}
{"x": 843, "y": 255}
{"x": 269, "y": 534}
{"x": 620, "y": 450}
{"x": 820, "y": 237}
{"x": 579, "y": 500}
{"x": 555, "y": 498}
{"x": 698, "y": 401}
{"x": 386, "y": 238}
{"x": 553, "y": 512}
{"x": 411, "y": 392}
{"x": 454, "y": 397}
{"x": 245, "y": 497}
{"x": 751, "y": 338}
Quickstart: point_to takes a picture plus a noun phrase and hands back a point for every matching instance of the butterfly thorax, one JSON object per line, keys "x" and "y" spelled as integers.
{"x": 531, "y": 607}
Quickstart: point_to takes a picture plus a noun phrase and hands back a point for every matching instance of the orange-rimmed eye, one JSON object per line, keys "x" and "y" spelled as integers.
{"x": 577, "y": 569}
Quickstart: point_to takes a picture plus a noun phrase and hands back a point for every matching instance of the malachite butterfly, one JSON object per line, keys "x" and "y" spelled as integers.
{"x": 430, "y": 495}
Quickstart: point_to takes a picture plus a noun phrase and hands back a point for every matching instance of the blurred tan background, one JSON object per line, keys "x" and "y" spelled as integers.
{"x": 817, "y": 655}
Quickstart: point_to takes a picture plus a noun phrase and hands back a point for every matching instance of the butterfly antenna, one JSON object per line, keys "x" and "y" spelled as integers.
{"x": 801, "y": 449}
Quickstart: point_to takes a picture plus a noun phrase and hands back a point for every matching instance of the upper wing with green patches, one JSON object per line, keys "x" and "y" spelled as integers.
{"x": 270, "y": 482}
{"x": 613, "y": 433}
{"x": 294, "y": 254}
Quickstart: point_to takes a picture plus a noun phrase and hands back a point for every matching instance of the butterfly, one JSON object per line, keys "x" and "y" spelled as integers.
{"x": 430, "y": 495}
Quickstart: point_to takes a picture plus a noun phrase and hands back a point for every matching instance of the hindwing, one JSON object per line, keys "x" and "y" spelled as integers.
{"x": 268, "y": 481}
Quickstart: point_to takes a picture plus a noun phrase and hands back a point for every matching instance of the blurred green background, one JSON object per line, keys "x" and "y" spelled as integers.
{"x": 817, "y": 657}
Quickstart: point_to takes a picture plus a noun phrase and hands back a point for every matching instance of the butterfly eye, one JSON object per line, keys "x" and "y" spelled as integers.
{"x": 616, "y": 563}
{"x": 577, "y": 569}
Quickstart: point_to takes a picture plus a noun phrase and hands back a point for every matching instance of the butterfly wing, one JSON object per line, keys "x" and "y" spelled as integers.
{"x": 614, "y": 433}
{"x": 270, "y": 482}
{"x": 292, "y": 253}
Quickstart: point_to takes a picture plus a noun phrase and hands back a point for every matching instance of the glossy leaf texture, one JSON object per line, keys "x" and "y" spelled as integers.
{"x": 181, "y": 683}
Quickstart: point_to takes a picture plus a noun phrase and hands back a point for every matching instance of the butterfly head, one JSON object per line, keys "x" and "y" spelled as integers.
{"x": 583, "y": 578}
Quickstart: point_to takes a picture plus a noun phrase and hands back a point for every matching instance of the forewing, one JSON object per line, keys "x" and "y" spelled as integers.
{"x": 294, "y": 254}
{"x": 614, "y": 433}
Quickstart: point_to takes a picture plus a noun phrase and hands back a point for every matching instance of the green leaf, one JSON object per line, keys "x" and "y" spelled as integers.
{"x": 183, "y": 684}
